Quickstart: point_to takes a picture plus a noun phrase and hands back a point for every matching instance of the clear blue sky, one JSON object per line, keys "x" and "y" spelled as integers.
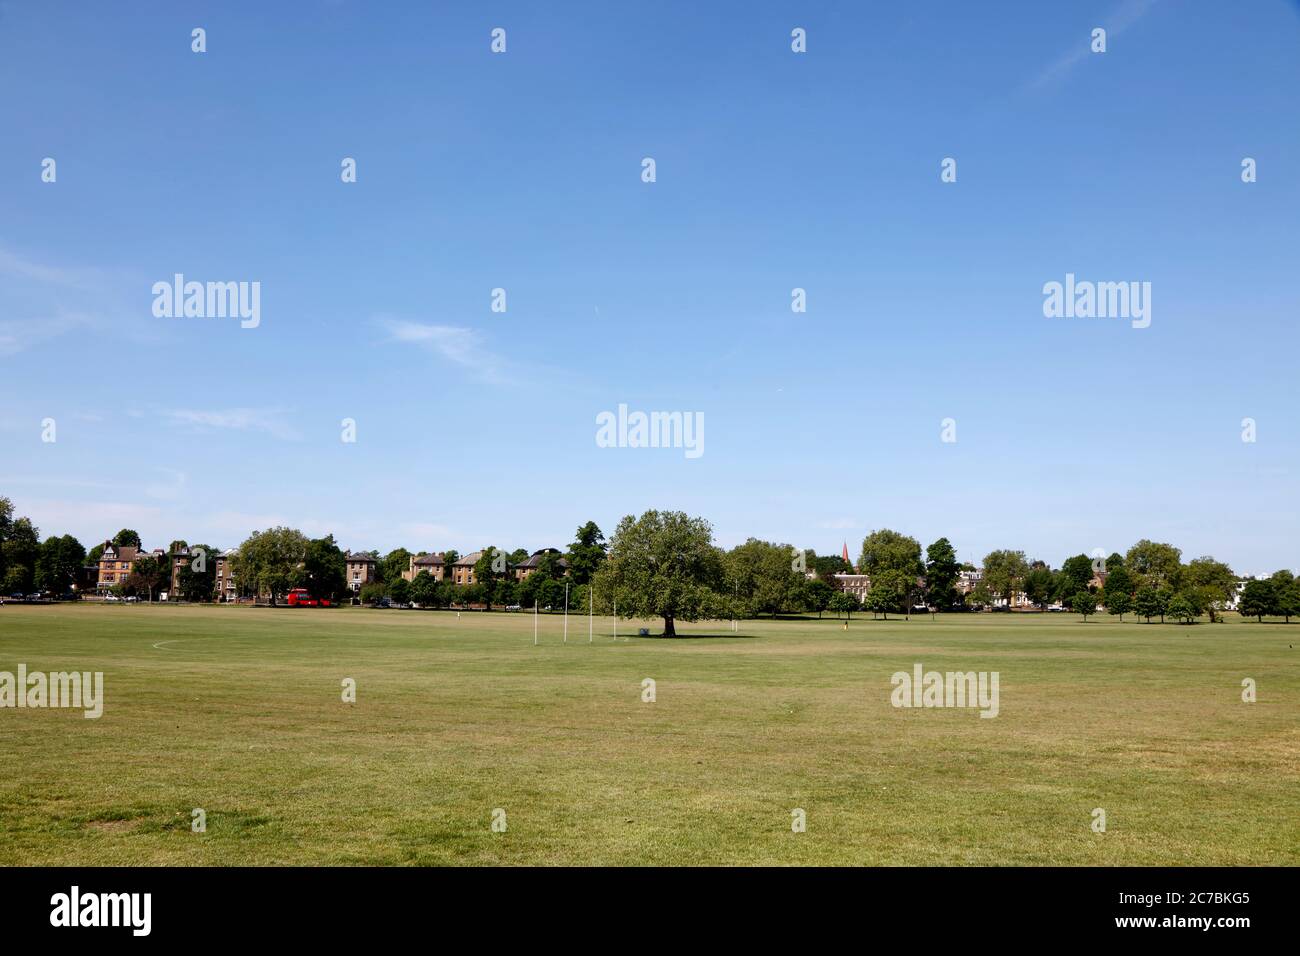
{"x": 775, "y": 170}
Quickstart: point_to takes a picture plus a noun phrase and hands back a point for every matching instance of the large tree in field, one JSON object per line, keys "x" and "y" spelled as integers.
{"x": 269, "y": 561}
{"x": 126, "y": 538}
{"x": 1210, "y": 584}
{"x": 941, "y": 567}
{"x": 19, "y": 553}
{"x": 1004, "y": 572}
{"x": 1158, "y": 564}
{"x": 586, "y": 553}
{"x": 664, "y": 564}
{"x": 1119, "y": 603}
{"x": 1258, "y": 598}
{"x": 887, "y": 550}
{"x": 1076, "y": 574}
{"x": 324, "y": 568}
{"x": 6, "y": 523}
{"x": 759, "y": 574}
{"x": 1040, "y": 584}
{"x": 58, "y": 563}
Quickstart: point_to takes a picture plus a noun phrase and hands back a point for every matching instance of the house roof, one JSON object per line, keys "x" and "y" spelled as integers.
{"x": 535, "y": 559}
{"x": 428, "y": 560}
{"x": 358, "y": 558}
{"x": 470, "y": 559}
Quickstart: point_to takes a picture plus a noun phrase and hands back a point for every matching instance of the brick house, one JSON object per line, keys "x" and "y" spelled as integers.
{"x": 435, "y": 565}
{"x": 360, "y": 570}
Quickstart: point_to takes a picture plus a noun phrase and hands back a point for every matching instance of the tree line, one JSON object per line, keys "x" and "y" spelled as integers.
{"x": 666, "y": 564}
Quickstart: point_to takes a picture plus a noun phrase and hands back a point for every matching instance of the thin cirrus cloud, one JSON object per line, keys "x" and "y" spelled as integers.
{"x": 270, "y": 421}
{"x": 457, "y": 344}
{"x": 54, "y": 301}
{"x": 1119, "y": 20}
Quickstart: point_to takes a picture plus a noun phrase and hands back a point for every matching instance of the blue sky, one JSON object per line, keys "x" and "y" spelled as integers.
{"x": 775, "y": 170}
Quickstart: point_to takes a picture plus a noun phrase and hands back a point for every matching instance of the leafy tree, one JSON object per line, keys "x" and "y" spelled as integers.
{"x": 760, "y": 576}
{"x": 1040, "y": 585}
{"x": 372, "y": 591}
{"x": 126, "y": 538}
{"x": 1147, "y": 603}
{"x": 1003, "y": 573}
{"x": 844, "y": 603}
{"x": 58, "y": 563}
{"x": 815, "y": 595}
{"x": 6, "y": 523}
{"x": 1114, "y": 562}
{"x": 1118, "y": 582}
{"x": 1287, "y": 601}
{"x": 829, "y": 565}
{"x": 399, "y": 591}
{"x": 268, "y": 561}
{"x": 980, "y": 596}
{"x": 1258, "y": 597}
{"x": 450, "y": 556}
{"x": 95, "y": 554}
{"x": 941, "y": 568}
{"x": 1085, "y": 603}
{"x": 393, "y": 565}
{"x": 1181, "y": 608}
{"x": 889, "y": 592}
{"x": 486, "y": 576}
{"x": 1157, "y": 563}
{"x": 424, "y": 589}
{"x": 1213, "y": 583}
{"x": 517, "y": 556}
{"x": 1076, "y": 574}
{"x": 19, "y": 554}
{"x": 664, "y": 564}
{"x": 587, "y": 553}
{"x": 1118, "y": 602}
{"x": 198, "y": 584}
{"x": 148, "y": 575}
{"x": 324, "y": 568}
{"x": 887, "y": 550}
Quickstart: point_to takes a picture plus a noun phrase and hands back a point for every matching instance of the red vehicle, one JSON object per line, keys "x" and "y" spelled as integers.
{"x": 299, "y": 597}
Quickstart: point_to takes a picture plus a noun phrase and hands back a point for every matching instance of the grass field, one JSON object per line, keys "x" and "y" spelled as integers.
{"x": 238, "y": 711}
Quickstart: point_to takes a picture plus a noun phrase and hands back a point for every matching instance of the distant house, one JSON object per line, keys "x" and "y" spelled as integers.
{"x": 224, "y": 590}
{"x": 360, "y": 570}
{"x": 462, "y": 572}
{"x": 855, "y": 584}
{"x": 525, "y": 568}
{"x": 115, "y": 565}
{"x": 966, "y": 580}
{"x": 180, "y": 557}
{"x": 435, "y": 565}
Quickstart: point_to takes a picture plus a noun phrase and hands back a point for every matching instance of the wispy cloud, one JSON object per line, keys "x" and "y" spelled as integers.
{"x": 51, "y": 301}
{"x": 1123, "y": 17}
{"x": 271, "y": 421}
{"x": 457, "y": 344}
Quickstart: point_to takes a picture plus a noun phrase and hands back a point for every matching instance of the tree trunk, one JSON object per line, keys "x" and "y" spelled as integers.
{"x": 669, "y": 629}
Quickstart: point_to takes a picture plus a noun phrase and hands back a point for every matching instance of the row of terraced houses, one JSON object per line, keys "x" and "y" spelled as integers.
{"x": 116, "y": 563}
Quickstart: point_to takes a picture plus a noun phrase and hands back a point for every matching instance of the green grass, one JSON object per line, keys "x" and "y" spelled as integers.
{"x": 238, "y": 711}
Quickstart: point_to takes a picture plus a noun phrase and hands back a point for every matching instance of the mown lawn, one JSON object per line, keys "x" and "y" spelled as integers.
{"x": 238, "y": 711}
